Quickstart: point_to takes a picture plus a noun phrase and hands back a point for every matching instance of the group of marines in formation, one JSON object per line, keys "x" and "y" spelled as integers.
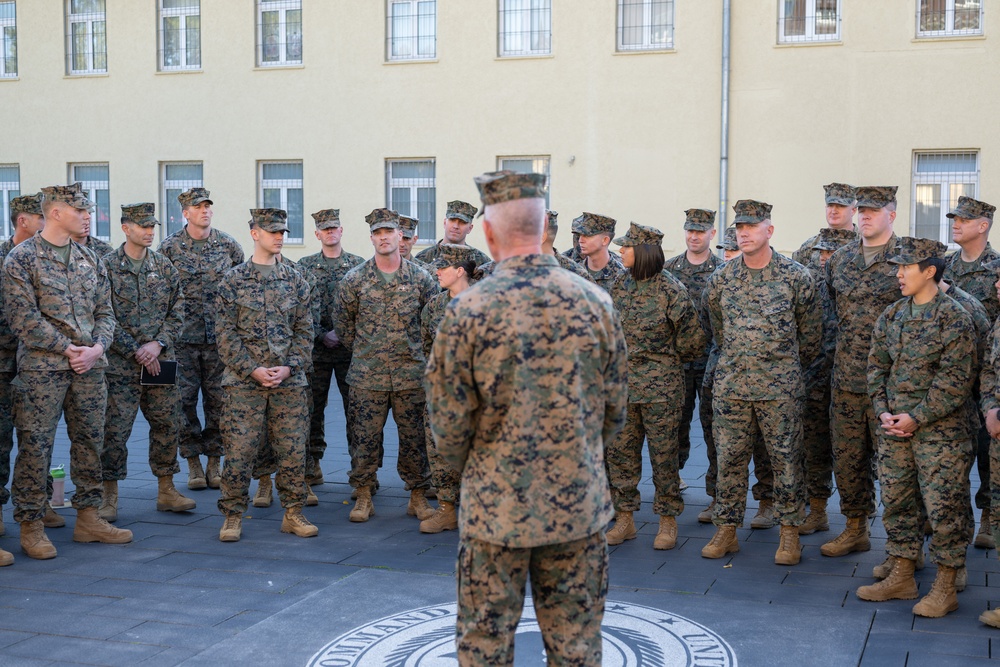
{"x": 811, "y": 366}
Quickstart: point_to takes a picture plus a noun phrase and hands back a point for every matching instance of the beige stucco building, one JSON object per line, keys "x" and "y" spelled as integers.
{"x": 358, "y": 104}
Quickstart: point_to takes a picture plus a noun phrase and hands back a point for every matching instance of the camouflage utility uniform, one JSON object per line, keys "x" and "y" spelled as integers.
{"x": 446, "y": 477}
{"x": 8, "y": 369}
{"x": 428, "y": 255}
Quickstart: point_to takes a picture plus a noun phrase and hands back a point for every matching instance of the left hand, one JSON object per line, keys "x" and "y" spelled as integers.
{"x": 901, "y": 425}
{"x": 276, "y": 375}
{"x": 148, "y": 355}
{"x": 82, "y": 359}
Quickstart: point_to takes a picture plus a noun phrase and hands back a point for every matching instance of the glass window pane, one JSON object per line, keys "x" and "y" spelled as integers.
{"x": 183, "y": 172}
{"x": 181, "y": 4}
{"x": 932, "y": 15}
{"x": 400, "y": 200}
{"x": 659, "y": 29}
{"x": 90, "y": 173}
{"x": 193, "y": 44}
{"x": 412, "y": 170}
{"x": 967, "y": 13}
{"x": 86, "y": 6}
{"x": 956, "y": 190}
{"x": 272, "y": 198}
{"x": 10, "y": 50}
{"x": 795, "y": 18}
{"x": 274, "y": 171}
{"x": 173, "y": 218}
{"x": 293, "y": 34}
{"x": 934, "y": 162}
{"x": 10, "y": 174}
{"x": 425, "y": 212}
{"x": 826, "y": 17}
{"x": 426, "y": 28}
{"x": 102, "y": 215}
{"x": 928, "y": 211}
{"x": 7, "y": 10}
{"x": 171, "y": 41}
{"x": 295, "y": 213}
{"x": 269, "y": 30}
{"x": 100, "y": 46}
{"x": 632, "y": 23}
{"x": 401, "y": 29}
{"x": 79, "y": 43}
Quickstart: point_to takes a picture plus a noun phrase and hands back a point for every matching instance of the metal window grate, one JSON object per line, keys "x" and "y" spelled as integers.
{"x": 410, "y": 189}
{"x": 411, "y": 29}
{"x": 175, "y": 178}
{"x": 537, "y": 164}
{"x": 10, "y": 187}
{"x": 8, "y": 39}
{"x": 939, "y": 179}
{"x": 86, "y": 37}
{"x": 180, "y": 34}
{"x": 645, "y": 25}
{"x": 97, "y": 184}
{"x": 524, "y": 27}
{"x": 949, "y": 18}
{"x": 279, "y": 32}
{"x": 280, "y": 186}
{"x": 808, "y": 21}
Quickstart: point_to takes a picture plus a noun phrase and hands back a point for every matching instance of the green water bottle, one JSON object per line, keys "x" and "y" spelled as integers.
{"x": 58, "y": 486}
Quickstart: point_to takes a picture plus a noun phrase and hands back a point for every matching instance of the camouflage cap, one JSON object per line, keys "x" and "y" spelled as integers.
{"x": 876, "y": 196}
{"x": 408, "y": 226}
{"x": 971, "y": 209}
{"x": 640, "y": 235}
{"x": 496, "y": 187}
{"x": 382, "y": 218}
{"x": 551, "y": 218}
{"x": 910, "y": 250}
{"x": 68, "y": 194}
{"x": 729, "y": 240}
{"x": 833, "y": 239}
{"x": 699, "y": 219}
{"x": 575, "y": 226}
{"x": 451, "y": 254}
{"x": 194, "y": 196}
{"x": 26, "y": 204}
{"x": 750, "y": 211}
{"x": 328, "y": 218}
{"x": 140, "y": 214}
{"x": 460, "y": 210}
{"x": 592, "y": 224}
{"x": 840, "y": 193}
{"x": 269, "y": 219}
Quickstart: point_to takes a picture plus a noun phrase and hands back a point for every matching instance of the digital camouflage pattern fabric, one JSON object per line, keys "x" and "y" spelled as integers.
{"x": 565, "y": 262}
{"x": 25, "y": 204}
{"x": 460, "y": 210}
{"x": 194, "y": 196}
{"x": 68, "y": 194}
{"x": 699, "y": 219}
{"x": 592, "y": 224}
{"x": 875, "y": 196}
{"x": 751, "y": 211}
{"x": 429, "y": 255}
{"x": 840, "y": 193}
{"x": 328, "y": 218}
{"x": 975, "y": 278}
{"x": 640, "y": 235}
{"x": 606, "y": 277}
{"x": 972, "y": 209}
{"x": 502, "y": 186}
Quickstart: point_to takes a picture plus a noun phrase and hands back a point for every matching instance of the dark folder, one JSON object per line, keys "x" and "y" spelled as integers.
{"x": 168, "y": 375}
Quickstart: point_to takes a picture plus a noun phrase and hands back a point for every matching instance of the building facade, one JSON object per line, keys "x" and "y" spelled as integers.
{"x": 359, "y": 104}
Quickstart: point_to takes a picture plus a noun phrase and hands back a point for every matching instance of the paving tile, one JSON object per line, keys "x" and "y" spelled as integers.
{"x": 169, "y": 611}
{"x": 174, "y": 634}
{"x": 7, "y": 637}
{"x": 169, "y": 657}
{"x": 75, "y": 649}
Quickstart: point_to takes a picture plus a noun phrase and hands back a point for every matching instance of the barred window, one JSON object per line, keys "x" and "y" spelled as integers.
{"x": 180, "y": 34}
{"x": 175, "y": 178}
{"x": 279, "y": 185}
{"x": 808, "y": 21}
{"x": 524, "y": 27}
{"x": 10, "y": 187}
{"x": 949, "y": 18}
{"x": 939, "y": 179}
{"x": 8, "y": 40}
{"x": 96, "y": 183}
{"x": 645, "y": 25}
{"x": 410, "y": 189}
{"x": 538, "y": 164}
{"x": 411, "y": 29}
{"x": 86, "y": 37}
{"x": 279, "y": 32}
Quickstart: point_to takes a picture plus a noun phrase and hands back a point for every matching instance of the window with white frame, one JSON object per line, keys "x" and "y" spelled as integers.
{"x": 86, "y": 37}
{"x": 939, "y": 179}
{"x": 10, "y": 187}
{"x": 8, "y": 40}
{"x": 279, "y": 32}
{"x": 96, "y": 184}
{"x": 410, "y": 189}
{"x": 411, "y": 29}
{"x": 949, "y": 18}
{"x": 808, "y": 21}
{"x": 645, "y": 25}
{"x": 175, "y": 178}
{"x": 279, "y": 185}
{"x": 524, "y": 27}
{"x": 536, "y": 164}
{"x": 180, "y": 34}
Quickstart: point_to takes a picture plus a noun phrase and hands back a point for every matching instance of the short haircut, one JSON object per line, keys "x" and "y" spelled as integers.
{"x": 47, "y": 205}
{"x": 648, "y": 261}
{"x": 518, "y": 219}
{"x": 938, "y": 264}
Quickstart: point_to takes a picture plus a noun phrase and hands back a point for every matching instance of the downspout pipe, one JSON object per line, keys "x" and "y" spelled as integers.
{"x": 724, "y": 148}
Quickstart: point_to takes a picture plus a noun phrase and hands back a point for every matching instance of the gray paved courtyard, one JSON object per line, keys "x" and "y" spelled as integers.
{"x": 177, "y": 595}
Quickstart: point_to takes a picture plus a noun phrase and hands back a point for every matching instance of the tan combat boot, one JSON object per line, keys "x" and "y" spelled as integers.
{"x": 232, "y": 528}
{"x": 311, "y": 499}
{"x": 293, "y": 522}
{"x": 723, "y": 542}
{"x": 899, "y": 585}
{"x": 854, "y": 538}
{"x": 169, "y": 499}
{"x": 51, "y": 518}
{"x": 984, "y": 538}
{"x": 34, "y": 543}
{"x": 882, "y": 570}
{"x": 990, "y": 617}
{"x": 789, "y": 550}
{"x": 314, "y": 473}
{"x": 6, "y": 558}
{"x": 666, "y": 536}
{"x": 196, "y": 474}
{"x": 213, "y": 472}
{"x": 942, "y": 598}
{"x": 374, "y": 489}
{"x": 707, "y": 514}
{"x": 764, "y": 518}
{"x": 265, "y": 494}
{"x": 109, "y": 502}
{"x": 363, "y": 508}
{"x": 817, "y": 519}
{"x": 418, "y": 505}
{"x": 444, "y": 518}
{"x": 624, "y": 529}
{"x": 90, "y": 527}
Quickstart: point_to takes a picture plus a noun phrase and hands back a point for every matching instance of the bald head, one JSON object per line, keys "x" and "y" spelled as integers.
{"x": 518, "y": 221}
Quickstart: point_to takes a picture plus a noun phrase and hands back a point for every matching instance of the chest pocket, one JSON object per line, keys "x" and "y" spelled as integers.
{"x": 250, "y": 312}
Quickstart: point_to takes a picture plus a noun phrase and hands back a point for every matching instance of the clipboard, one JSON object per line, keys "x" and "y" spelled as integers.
{"x": 167, "y": 376}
